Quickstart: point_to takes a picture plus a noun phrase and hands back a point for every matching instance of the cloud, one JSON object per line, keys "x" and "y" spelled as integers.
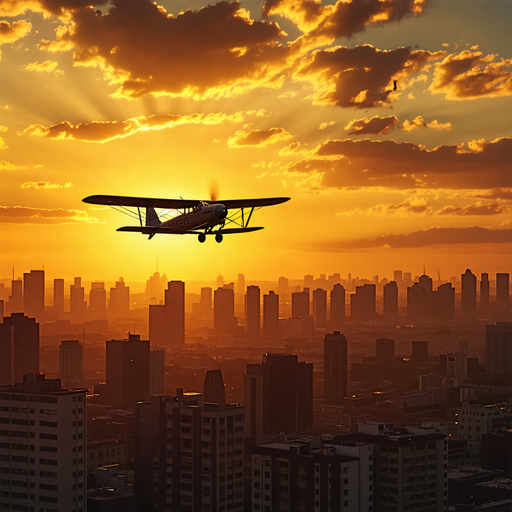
{"x": 44, "y": 67}
{"x": 323, "y": 126}
{"x": 214, "y": 52}
{"x": 109, "y": 130}
{"x": 419, "y": 122}
{"x": 365, "y": 163}
{"x": 9, "y": 33}
{"x": 413, "y": 205}
{"x": 495, "y": 193}
{"x": 3, "y": 145}
{"x": 376, "y": 125}
{"x": 28, "y": 215}
{"x": 7, "y": 166}
{"x": 258, "y": 138}
{"x": 44, "y": 185}
{"x": 47, "y": 7}
{"x": 361, "y": 77}
{"x": 432, "y": 236}
{"x": 475, "y": 209}
{"x": 344, "y": 18}
{"x": 470, "y": 75}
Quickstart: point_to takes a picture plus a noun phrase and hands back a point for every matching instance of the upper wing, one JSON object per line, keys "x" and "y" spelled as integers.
{"x": 251, "y": 203}
{"x": 141, "y": 201}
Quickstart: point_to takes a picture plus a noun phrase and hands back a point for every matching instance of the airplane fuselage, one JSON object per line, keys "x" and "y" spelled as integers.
{"x": 204, "y": 217}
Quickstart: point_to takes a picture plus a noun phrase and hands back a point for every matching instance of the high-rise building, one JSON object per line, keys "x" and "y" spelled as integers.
{"x": 502, "y": 287}
{"x": 214, "y": 390}
{"x": 77, "y": 304}
{"x": 154, "y": 289}
{"x": 97, "y": 301}
{"x": 206, "y": 302}
{"x": 498, "y": 348}
{"x": 189, "y": 455}
{"x": 119, "y": 304}
{"x": 362, "y": 303}
{"x": 335, "y": 368}
{"x": 271, "y": 314}
{"x": 464, "y": 347}
{"x": 224, "y": 319}
{"x": 320, "y": 308}
{"x": 52, "y": 474}
{"x": 58, "y": 296}
{"x": 484, "y": 291}
{"x": 419, "y": 351}
{"x": 407, "y": 278}
{"x": 278, "y": 395}
{"x": 33, "y": 293}
{"x": 384, "y": 349}
{"x": 71, "y": 364}
{"x": 300, "y": 304}
{"x": 127, "y": 371}
{"x": 337, "y": 307}
{"x": 252, "y": 312}
{"x": 282, "y": 285}
{"x": 390, "y": 301}
{"x": 19, "y": 348}
{"x": 309, "y": 281}
{"x": 416, "y": 302}
{"x": 468, "y": 293}
{"x": 444, "y": 302}
{"x": 220, "y": 281}
{"x": 240, "y": 285}
{"x": 175, "y": 304}
{"x": 157, "y": 372}
{"x": 453, "y": 365}
{"x": 15, "y": 304}
{"x": 158, "y": 325}
{"x": 397, "y": 277}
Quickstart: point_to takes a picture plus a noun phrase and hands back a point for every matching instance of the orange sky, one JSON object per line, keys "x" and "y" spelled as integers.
{"x": 277, "y": 98}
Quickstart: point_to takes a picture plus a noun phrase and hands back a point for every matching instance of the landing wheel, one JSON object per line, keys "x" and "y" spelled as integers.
{"x": 218, "y": 238}
{"x": 201, "y": 237}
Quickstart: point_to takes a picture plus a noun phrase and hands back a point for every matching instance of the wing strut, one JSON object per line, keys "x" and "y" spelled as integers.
{"x": 140, "y": 218}
{"x": 249, "y": 218}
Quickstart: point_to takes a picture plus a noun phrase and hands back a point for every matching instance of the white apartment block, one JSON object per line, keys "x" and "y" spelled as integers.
{"x": 42, "y": 447}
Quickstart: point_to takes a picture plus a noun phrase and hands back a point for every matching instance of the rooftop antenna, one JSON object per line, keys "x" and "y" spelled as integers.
{"x": 424, "y": 269}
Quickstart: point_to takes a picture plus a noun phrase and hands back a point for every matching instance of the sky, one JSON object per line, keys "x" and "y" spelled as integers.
{"x": 387, "y": 123}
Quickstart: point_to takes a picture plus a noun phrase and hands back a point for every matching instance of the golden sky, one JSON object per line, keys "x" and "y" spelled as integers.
{"x": 288, "y": 98}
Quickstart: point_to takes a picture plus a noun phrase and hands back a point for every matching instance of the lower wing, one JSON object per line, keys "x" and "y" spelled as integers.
{"x": 148, "y": 230}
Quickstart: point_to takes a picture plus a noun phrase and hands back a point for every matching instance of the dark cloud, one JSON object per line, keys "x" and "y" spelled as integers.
{"x": 432, "y": 236}
{"x": 375, "y": 125}
{"x": 27, "y": 215}
{"x": 474, "y": 209}
{"x": 11, "y": 32}
{"x": 361, "y": 77}
{"x": 55, "y": 7}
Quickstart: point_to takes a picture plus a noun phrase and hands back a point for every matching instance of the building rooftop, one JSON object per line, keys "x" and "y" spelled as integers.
{"x": 37, "y": 384}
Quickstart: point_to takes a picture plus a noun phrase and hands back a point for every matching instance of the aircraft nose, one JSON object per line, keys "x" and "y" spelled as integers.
{"x": 221, "y": 211}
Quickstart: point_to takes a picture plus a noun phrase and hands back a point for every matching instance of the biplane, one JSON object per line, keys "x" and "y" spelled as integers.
{"x": 194, "y": 217}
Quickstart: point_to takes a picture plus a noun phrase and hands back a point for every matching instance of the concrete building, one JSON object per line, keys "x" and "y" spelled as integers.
{"x": 484, "y": 291}
{"x": 337, "y": 308}
{"x": 502, "y": 287}
{"x": 58, "y": 296}
{"x": 157, "y": 372}
{"x": 189, "y": 455}
{"x": 271, "y": 314}
{"x": 106, "y": 452}
{"x": 15, "y": 303}
{"x": 175, "y": 304}
{"x": 384, "y": 349}
{"x": 119, "y": 303}
{"x": 498, "y": 348}
{"x": 320, "y": 308}
{"x": 77, "y": 304}
{"x": 468, "y": 293}
{"x": 224, "y": 320}
{"x": 71, "y": 364}
{"x": 19, "y": 348}
{"x": 335, "y": 368}
{"x": 42, "y": 446}
{"x": 390, "y": 301}
{"x": 97, "y": 301}
{"x": 416, "y": 298}
{"x": 362, "y": 303}
{"x": 419, "y": 351}
{"x": 252, "y": 312}
{"x": 33, "y": 293}
{"x": 453, "y": 365}
{"x": 300, "y": 304}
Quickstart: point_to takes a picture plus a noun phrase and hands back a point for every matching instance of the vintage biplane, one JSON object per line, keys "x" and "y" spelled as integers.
{"x": 194, "y": 217}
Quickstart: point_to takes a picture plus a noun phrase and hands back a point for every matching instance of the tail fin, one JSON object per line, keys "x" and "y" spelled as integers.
{"x": 152, "y": 217}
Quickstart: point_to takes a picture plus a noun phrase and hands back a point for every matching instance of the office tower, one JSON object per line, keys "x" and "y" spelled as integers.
{"x": 53, "y": 421}
{"x": 300, "y": 304}
{"x": 158, "y": 325}
{"x": 484, "y": 291}
{"x": 97, "y": 301}
{"x": 362, "y": 303}
{"x": 205, "y": 302}
{"x": 453, "y": 365}
{"x": 416, "y": 302}
{"x": 58, "y": 296}
{"x": 71, "y": 364}
{"x": 157, "y": 372}
{"x": 502, "y": 287}
{"x": 220, "y": 281}
{"x": 189, "y": 455}
{"x": 468, "y": 293}
{"x": 337, "y": 319}
{"x": 444, "y": 302}
{"x": 77, "y": 304}
{"x": 33, "y": 293}
{"x": 464, "y": 347}
{"x": 154, "y": 289}
{"x": 498, "y": 348}
{"x": 335, "y": 368}
{"x": 419, "y": 351}
{"x": 271, "y": 314}
{"x": 312, "y": 474}
{"x": 175, "y": 305}
{"x": 15, "y": 304}
{"x": 384, "y": 349}
{"x": 119, "y": 304}
{"x": 390, "y": 301}
{"x": 426, "y": 282}
{"x": 240, "y": 285}
{"x": 282, "y": 285}
{"x": 214, "y": 390}
{"x": 127, "y": 371}
{"x": 278, "y": 395}
{"x": 252, "y": 312}
{"x": 397, "y": 276}
{"x": 224, "y": 319}
{"x": 320, "y": 308}
{"x": 19, "y": 348}
{"x": 407, "y": 278}
{"x": 309, "y": 281}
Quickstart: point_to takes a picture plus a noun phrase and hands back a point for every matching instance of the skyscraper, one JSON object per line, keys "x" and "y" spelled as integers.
{"x": 390, "y": 301}
{"x": 397, "y": 277}
{"x": 119, "y": 304}
{"x": 444, "y": 302}
{"x": 416, "y": 302}
{"x": 19, "y": 348}
{"x": 240, "y": 286}
{"x": 214, "y": 390}
{"x": 271, "y": 314}
{"x": 384, "y": 349}
{"x": 77, "y": 304}
{"x": 71, "y": 364}
{"x": 206, "y": 303}
{"x": 337, "y": 319}
{"x": 33, "y": 293}
{"x": 97, "y": 301}
{"x": 154, "y": 289}
{"x": 175, "y": 305}
{"x": 468, "y": 293}
{"x": 362, "y": 303}
{"x": 484, "y": 291}
{"x": 419, "y": 351}
{"x": 58, "y": 296}
{"x": 15, "y": 304}
{"x": 498, "y": 348}
{"x": 157, "y": 372}
{"x": 320, "y": 308}
{"x": 300, "y": 304}
{"x": 502, "y": 287}
{"x": 252, "y": 312}
{"x": 224, "y": 319}
{"x": 335, "y": 368}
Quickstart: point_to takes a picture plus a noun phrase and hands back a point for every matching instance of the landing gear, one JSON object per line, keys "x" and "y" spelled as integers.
{"x": 201, "y": 237}
{"x": 218, "y": 238}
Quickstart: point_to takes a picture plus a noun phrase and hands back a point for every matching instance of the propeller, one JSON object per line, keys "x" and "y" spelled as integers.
{"x": 214, "y": 191}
